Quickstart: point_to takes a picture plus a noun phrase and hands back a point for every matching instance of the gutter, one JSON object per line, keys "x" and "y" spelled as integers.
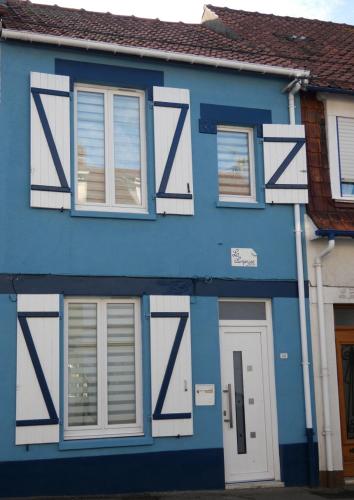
{"x": 27, "y": 36}
{"x": 332, "y": 233}
{"x": 292, "y": 89}
{"x": 329, "y": 90}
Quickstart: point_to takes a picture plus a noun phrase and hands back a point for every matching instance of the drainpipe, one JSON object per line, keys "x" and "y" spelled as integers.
{"x": 327, "y": 431}
{"x": 292, "y": 89}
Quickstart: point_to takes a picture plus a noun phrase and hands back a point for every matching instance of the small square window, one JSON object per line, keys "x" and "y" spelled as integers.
{"x": 110, "y": 150}
{"x": 236, "y": 164}
{"x": 103, "y": 395}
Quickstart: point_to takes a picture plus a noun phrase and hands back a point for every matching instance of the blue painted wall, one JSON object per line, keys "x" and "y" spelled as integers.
{"x": 205, "y": 369}
{"x": 48, "y": 241}
{"x": 40, "y": 241}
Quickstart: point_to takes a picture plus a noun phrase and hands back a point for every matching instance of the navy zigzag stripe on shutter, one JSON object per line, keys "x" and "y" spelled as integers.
{"x": 173, "y": 149}
{"x": 36, "y": 94}
{"x": 53, "y": 417}
{"x": 299, "y": 143}
{"x": 158, "y": 415}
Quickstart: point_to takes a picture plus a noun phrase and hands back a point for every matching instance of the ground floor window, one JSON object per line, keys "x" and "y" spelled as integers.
{"x": 103, "y": 393}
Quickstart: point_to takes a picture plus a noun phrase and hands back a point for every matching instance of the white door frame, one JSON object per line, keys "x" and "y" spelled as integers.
{"x": 268, "y": 324}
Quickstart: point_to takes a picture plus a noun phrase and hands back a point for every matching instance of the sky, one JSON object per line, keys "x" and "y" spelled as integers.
{"x": 191, "y": 10}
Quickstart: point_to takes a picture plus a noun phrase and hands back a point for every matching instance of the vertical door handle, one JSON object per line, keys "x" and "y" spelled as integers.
{"x": 229, "y": 399}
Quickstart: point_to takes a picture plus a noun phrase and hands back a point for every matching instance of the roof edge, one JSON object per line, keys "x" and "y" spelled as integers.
{"x": 332, "y": 233}
{"x": 329, "y": 90}
{"x": 28, "y": 36}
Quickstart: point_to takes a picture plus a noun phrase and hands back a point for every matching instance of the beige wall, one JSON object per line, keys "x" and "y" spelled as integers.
{"x": 338, "y": 281}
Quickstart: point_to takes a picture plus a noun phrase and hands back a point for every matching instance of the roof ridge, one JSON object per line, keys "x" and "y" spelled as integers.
{"x": 13, "y": 3}
{"x": 211, "y": 7}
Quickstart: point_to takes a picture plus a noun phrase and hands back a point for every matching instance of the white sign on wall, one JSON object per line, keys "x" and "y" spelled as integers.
{"x": 243, "y": 257}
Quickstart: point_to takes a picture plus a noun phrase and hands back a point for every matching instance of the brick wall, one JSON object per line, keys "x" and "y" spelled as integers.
{"x": 324, "y": 211}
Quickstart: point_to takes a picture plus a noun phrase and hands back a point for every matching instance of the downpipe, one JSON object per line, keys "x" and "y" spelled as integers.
{"x": 292, "y": 89}
{"x": 324, "y": 372}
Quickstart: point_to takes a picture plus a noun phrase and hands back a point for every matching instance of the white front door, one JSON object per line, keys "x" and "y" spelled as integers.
{"x": 249, "y": 445}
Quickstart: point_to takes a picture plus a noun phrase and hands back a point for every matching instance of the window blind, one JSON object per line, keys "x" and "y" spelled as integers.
{"x": 127, "y": 155}
{"x": 91, "y": 147}
{"x": 121, "y": 363}
{"x": 346, "y": 148}
{"x": 233, "y": 163}
{"x": 82, "y": 364}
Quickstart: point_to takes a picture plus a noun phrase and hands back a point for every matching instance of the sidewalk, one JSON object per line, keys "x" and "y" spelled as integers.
{"x": 237, "y": 494}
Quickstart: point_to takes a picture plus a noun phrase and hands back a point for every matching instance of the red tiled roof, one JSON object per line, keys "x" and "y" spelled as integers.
{"x": 324, "y": 48}
{"x": 195, "y": 39}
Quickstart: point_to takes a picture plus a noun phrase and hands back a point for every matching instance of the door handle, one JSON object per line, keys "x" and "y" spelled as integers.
{"x": 229, "y": 399}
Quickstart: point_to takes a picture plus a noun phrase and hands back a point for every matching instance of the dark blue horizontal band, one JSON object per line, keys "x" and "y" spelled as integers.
{"x": 177, "y": 105}
{"x": 169, "y": 315}
{"x": 110, "y": 74}
{"x": 177, "y": 196}
{"x": 286, "y": 186}
{"x": 38, "y": 421}
{"x": 44, "y": 314}
{"x": 171, "y": 416}
{"x": 332, "y": 233}
{"x": 83, "y": 476}
{"x": 121, "y": 286}
{"x": 300, "y": 140}
{"x": 58, "y": 93}
{"x": 212, "y": 115}
{"x": 56, "y": 189}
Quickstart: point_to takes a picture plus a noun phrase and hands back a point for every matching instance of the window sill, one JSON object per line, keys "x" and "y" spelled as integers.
{"x": 112, "y": 215}
{"x": 344, "y": 202}
{"x": 116, "y": 442}
{"x": 239, "y": 204}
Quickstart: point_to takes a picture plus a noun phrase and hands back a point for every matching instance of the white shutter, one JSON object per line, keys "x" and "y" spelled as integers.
{"x": 37, "y": 396}
{"x": 171, "y": 370}
{"x": 285, "y": 168}
{"x": 50, "y": 141}
{"x": 173, "y": 151}
{"x": 346, "y": 148}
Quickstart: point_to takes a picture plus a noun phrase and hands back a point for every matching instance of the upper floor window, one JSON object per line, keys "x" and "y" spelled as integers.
{"x": 340, "y": 140}
{"x": 236, "y": 164}
{"x": 110, "y": 149}
{"x": 345, "y": 130}
{"x": 103, "y": 375}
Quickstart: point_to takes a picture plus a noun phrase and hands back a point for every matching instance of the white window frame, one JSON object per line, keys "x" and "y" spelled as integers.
{"x": 252, "y": 198}
{"x": 336, "y": 107}
{"x": 103, "y": 429}
{"x": 110, "y": 205}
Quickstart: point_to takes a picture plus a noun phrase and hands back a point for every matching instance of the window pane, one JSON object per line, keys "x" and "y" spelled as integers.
{"x": 346, "y": 153}
{"x": 121, "y": 363}
{"x": 127, "y": 155}
{"x": 242, "y": 310}
{"x": 90, "y": 144}
{"x": 348, "y": 387}
{"x": 239, "y": 403}
{"x": 344, "y": 316}
{"x": 82, "y": 364}
{"x": 233, "y": 163}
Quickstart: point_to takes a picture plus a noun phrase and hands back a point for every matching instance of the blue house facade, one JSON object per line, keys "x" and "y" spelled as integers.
{"x": 149, "y": 298}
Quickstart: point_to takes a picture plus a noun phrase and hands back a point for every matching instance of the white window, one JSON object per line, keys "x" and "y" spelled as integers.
{"x": 345, "y": 129}
{"x": 340, "y": 140}
{"x": 110, "y": 149}
{"x": 103, "y": 393}
{"x": 236, "y": 164}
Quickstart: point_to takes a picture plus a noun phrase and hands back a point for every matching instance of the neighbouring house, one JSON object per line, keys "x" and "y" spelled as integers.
{"x": 327, "y": 108}
{"x": 154, "y": 298}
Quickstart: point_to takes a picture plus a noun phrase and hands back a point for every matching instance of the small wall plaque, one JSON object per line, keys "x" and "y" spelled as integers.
{"x": 243, "y": 257}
